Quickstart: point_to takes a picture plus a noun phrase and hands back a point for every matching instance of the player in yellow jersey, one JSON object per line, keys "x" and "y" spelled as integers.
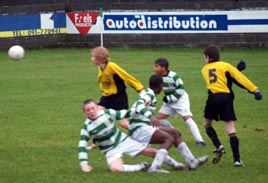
{"x": 219, "y": 76}
{"x": 112, "y": 79}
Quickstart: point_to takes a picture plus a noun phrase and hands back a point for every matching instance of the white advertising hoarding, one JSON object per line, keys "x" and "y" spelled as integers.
{"x": 175, "y": 22}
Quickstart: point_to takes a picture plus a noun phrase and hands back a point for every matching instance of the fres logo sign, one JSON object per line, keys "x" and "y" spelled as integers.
{"x": 83, "y": 20}
{"x": 165, "y": 22}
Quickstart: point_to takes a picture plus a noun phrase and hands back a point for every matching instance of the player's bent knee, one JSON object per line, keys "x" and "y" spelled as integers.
{"x": 149, "y": 151}
{"x": 179, "y": 133}
{"x": 116, "y": 165}
{"x": 170, "y": 139}
{"x": 176, "y": 133}
{"x": 116, "y": 168}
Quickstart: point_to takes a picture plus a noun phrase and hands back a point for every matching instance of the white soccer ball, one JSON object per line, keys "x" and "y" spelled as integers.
{"x": 16, "y": 52}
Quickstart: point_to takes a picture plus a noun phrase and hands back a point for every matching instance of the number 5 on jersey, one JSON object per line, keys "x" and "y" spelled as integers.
{"x": 212, "y": 76}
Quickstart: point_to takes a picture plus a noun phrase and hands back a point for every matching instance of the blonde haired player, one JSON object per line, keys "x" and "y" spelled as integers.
{"x": 112, "y": 79}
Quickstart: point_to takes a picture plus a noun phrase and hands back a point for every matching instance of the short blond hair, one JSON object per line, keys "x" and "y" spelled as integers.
{"x": 101, "y": 54}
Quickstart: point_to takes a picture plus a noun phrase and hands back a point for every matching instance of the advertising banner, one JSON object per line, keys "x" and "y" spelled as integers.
{"x": 183, "y": 22}
{"x": 81, "y": 22}
{"x": 98, "y": 22}
{"x": 33, "y": 25}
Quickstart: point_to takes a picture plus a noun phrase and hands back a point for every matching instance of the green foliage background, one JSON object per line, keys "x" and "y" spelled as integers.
{"x": 40, "y": 116}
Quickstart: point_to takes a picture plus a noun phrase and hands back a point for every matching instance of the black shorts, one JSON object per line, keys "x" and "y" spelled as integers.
{"x": 117, "y": 101}
{"x": 220, "y": 107}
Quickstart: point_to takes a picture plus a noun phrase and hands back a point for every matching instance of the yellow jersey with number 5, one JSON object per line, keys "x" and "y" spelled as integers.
{"x": 220, "y": 75}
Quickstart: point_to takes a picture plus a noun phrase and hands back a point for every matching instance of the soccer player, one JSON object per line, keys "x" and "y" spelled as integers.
{"x": 112, "y": 78}
{"x": 141, "y": 130}
{"x": 176, "y": 100}
{"x": 218, "y": 76}
{"x": 100, "y": 126}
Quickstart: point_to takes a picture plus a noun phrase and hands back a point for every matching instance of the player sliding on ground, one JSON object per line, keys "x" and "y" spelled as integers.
{"x": 111, "y": 141}
{"x": 100, "y": 126}
{"x": 219, "y": 76}
{"x": 142, "y": 131}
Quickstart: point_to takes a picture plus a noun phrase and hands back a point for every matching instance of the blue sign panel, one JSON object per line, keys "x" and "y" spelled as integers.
{"x": 165, "y": 22}
{"x": 32, "y": 25}
{"x": 248, "y": 22}
{"x": 23, "y": 22}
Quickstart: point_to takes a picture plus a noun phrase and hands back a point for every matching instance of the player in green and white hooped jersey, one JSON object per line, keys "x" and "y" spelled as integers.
{"x": 100, "y": 126}
{"x": 142, "y": 131}
{"x": 176, "y": 100}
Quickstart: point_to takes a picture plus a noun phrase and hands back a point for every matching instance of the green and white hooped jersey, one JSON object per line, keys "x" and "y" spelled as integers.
{"x": 103, "y": 132}
{"x": 144, "y": 108}
{"x": 173, "y": 86}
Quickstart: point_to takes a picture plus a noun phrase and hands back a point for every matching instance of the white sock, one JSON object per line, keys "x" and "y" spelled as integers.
{"x": 194, "y": 130}
{"x": 159, "y": 157}
{"x": 185, "y": 152}
{"x": 132, "y": 168}
{"x": 172, "y": 162}
{"x": 166, "y": 123}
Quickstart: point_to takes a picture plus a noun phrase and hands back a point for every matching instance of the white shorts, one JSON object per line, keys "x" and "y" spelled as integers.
{"x": 143, "y": 134}
{"x": 182, "y": 107}
{"x": 128, "y": 146}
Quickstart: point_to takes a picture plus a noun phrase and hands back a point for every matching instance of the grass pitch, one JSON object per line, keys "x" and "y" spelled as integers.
{"x": 40, "y": 110}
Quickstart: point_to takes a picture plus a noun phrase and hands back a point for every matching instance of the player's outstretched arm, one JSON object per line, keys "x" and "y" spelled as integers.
{"x": 242, "y": 66}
